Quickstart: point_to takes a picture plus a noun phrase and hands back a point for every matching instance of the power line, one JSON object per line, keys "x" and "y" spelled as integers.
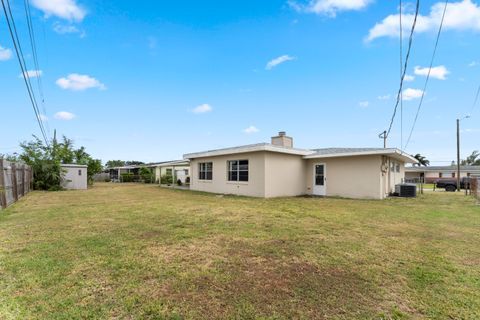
{"x": 31, "y": 33}
{"x": 21, "y": 61}
{"x": 475, "y": 101}
{"x": 410, "y": 40}
{"x": 428, "y": 74}
{"x": 401, "y": 72}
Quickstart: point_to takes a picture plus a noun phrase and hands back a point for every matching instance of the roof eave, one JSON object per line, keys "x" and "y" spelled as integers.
{"x": 387, "y": 152}
{"x": 264, "y": 148}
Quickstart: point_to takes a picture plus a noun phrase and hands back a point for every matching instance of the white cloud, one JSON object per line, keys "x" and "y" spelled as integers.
{"x": 439, "y": 72}
{"x": 408, "y": 78}
{"x": 65, "y": 9}
{"x": 473, "y": 64}
{"x": 329, "y": 7}
{"x": 32, "y": 74}
{"x": 203, "y": 108}
{"x": 64, "y": 115}
{"x": 410, "y": 94}
{"x": 250, "y": 130}
{"x": 384, "y": 97}
{"x": 275, "y": 62}
{"x": 79, "y": 82}
{"x": 66, "y": 29}
{"x": 364, "y": 104}
{"x": 462, "y": 15}
{"x": 5, "y": 54}
{"x": 43, "y": 117}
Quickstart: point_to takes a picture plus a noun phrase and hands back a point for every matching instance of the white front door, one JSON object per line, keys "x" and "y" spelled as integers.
{"x": 319, "y": 179}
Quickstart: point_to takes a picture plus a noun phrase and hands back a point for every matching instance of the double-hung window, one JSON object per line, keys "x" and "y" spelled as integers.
{"x": 238, "y": 170}
{"x": 205, "y": 170}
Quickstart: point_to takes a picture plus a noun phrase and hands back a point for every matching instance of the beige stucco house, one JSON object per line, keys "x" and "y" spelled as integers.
{"x": 278, "y": 169}
{"x": 178, "y": 169}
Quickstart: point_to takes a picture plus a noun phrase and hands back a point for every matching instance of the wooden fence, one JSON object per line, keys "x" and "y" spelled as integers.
{"x": 15, "y": 182}
{"x": 475, "y": 187}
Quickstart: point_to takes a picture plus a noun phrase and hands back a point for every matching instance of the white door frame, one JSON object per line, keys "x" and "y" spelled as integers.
{"x": 319, "y": 190}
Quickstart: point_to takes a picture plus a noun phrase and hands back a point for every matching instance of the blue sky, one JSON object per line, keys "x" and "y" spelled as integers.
{"x": 152, "y": 80}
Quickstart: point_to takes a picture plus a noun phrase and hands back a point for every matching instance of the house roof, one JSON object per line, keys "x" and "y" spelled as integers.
{"x": 168, "y": 163}
{"x": 351, "y": 152}
{"x": 247, "y": 148}
{"x": 443, "y": 168}
{"x": 306, "y": 154}
{"x": 154, "y": 164}
{"x": 72, "y": 165}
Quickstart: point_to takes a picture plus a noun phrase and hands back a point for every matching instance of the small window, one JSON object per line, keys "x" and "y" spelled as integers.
{"x": 397, "y": 167}
{"x": 79, "y": 172}
{"x": 205, "y": 170}
{"x": 440, "y": 175}
{"x": 237, "y": 170}
{"x": 392, "y": 166}
{"x": 453, "y": 174}
{"x": 186, "y": 172}
{"x": 169, "y": 172}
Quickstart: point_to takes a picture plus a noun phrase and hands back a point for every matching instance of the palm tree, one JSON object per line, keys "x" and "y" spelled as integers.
{"x": 472, "y": 160}
{"x": 422, "y": 161}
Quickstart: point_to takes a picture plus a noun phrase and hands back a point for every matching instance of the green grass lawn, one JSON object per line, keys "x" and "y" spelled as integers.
{"x": 141, "y": 251}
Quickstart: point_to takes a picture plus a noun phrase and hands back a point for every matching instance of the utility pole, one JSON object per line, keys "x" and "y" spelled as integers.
{"x": 383, "y": 136}
{"x": 458, "y": 150}
{"x": 458, "y": 154}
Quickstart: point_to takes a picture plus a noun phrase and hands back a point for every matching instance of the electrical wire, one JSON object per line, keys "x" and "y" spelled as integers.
{"x": 428, "y": 75}
{"x": 475, "y": 100}
{"x": 21, "y": 61}
{"x": 33, "y": 44}
{"x": 407, "y": 56}
{"x": 401, "y": 72}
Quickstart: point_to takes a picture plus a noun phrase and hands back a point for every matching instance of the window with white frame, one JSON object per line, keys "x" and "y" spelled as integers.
{"x": 237, "y": 170}
{"x": 205, "y": 170}
{"x": 397, "y": 167}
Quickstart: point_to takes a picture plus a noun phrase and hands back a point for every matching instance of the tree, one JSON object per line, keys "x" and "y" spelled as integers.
{"x": 114, "y": 163}
{"x": 472, "y": 160}
{"x": 422, "y": 161}
{"x": 9, "y": 157}
{"x": 134, "y": 163}
{"x": 46, "y": 161}
{"x": 47, "y": 172}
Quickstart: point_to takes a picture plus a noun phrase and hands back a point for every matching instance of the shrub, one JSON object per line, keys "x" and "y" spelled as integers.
{"x": 166, "y": 179}
{"x": 146, "y": 175}
{"x": 126, "y": 177}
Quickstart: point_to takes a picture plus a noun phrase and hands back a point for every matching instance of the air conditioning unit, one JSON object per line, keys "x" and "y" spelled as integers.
{"x": 406, "y": 190}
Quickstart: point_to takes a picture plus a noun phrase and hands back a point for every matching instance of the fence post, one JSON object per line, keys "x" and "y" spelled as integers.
{"x": 23, "y": 180}
{"x": 3, "y": 199}
{"x": 14, "y": 181}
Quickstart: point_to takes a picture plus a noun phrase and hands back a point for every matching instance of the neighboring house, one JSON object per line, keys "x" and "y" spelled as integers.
{"x": 432, "y": 173}
{"x": 74, "y": 176}
{"x": 116, "y": 172}
{"x": 178, "y": 169}
{"x": 277, "y": 169}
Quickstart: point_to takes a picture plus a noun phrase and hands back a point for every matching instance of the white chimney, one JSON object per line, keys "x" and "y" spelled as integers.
{"x": 282, "y": 140}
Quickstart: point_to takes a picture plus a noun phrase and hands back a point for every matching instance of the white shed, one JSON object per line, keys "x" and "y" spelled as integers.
{"x": 74, "y": 176}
